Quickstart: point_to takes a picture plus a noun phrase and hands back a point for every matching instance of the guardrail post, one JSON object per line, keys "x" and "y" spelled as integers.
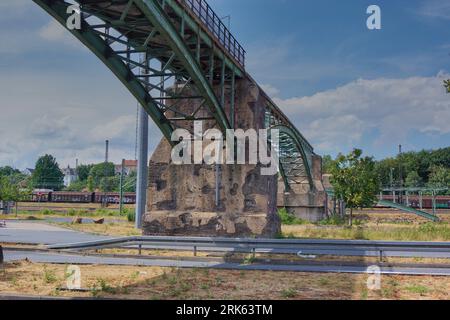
{"x": 195, "y": 251}
{"x": 140, "y": 249}
{"x": 1, "y": 255}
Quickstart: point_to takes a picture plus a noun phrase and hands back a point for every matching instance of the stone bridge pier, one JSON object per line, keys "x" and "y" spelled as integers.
{"x": 181, "y": 199}
{"x": 301, "y": 201}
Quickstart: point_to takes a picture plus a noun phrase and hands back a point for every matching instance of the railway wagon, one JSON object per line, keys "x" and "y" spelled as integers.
{"x": 442, "y": 202}
{"x": 80, "y": 197}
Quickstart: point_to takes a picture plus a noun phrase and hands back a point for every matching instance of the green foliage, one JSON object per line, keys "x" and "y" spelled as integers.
{"x": 77, "y": 186}
{"x": 47, "y": 174}
{"x": 90, "y": 184}
{"x": 355, "y": 180}
{"x": 110, "y": 184}
{"x": 8, "y": 171}
{"x": 288, "y": 218}
{"x": 439, "y": 177}
{"x": 102, "y": 170}
{"x": 102, "y": 176}
{"x": 413, "y": 180}
{"x": 420, "y": 162}
{"x": 334, "y": 220}
{"x": 327, "y": 163}
{"x": 8, "y": 190}
{"x": 131, "y": 215}
{"x": 83, "y": 171}
{"x": 447, "y": 85}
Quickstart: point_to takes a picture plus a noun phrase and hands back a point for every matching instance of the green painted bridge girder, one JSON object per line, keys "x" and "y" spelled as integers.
{"x": 287, "y": 131}
{"x": 58, "y": 10}
{"x": 155, "y": 14}
{"x": 158, "y": 19}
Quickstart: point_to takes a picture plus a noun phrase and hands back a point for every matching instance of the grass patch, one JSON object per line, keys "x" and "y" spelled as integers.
{"x": 49, "y": 276}
{"x": 289, "y": 219}
{"x": 427, "y": 232}
{"x": 289, "y": 293}
{"x": 422, "y": 290}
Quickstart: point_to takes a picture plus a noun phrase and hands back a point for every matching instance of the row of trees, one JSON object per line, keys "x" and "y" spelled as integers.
{"x": 412, "y": 169}
{"x": 102, "y": 177}
{"x": 48, "y": 175}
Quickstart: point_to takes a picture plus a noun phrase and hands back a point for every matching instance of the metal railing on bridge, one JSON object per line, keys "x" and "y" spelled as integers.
{"x": 202, "y": 10}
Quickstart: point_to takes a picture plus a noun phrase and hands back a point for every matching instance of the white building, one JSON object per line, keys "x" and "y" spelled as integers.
{"x": 70, "y": 176}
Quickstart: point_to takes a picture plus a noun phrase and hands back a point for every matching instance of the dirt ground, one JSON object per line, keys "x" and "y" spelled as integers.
{"x": 25, "y": 278}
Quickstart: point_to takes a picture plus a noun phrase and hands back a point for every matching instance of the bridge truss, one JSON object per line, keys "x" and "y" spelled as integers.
{"x": 167, "y": 52}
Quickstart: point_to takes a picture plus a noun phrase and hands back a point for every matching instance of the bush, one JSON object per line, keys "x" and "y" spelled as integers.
{"x": 334, "y": 220}
{"x": 288, "y": 218}
{"x": 131, "y": 216}
{"x": 47, "y": 212}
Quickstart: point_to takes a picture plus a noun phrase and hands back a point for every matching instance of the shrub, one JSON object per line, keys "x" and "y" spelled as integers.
{"x": 334, "y": 220}
{"x": 131, "y": 216}
{"x": 288, "y": 218}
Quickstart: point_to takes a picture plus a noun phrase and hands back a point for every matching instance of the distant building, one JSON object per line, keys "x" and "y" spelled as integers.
{"x": 129, "y": 166}
{"x": 70, "y": 176}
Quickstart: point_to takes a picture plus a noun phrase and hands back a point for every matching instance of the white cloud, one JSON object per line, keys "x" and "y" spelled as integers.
{"x": 337, "y": 119}
{"x": 435, "y": 9}
{"x": 55, "y": 32}
{"x": 64, "y": 116}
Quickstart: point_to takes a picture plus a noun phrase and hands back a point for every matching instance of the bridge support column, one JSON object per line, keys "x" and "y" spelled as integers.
{"x": 303, "y": 202}
{"x": 182, "y": 198}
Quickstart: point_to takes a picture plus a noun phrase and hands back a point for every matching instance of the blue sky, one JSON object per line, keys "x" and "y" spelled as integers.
{"x": 343, "y": 85}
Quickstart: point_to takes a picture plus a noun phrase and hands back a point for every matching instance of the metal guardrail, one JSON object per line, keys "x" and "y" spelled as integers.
{"x": 324, "y": 247}
{"x": 202, "y": 10}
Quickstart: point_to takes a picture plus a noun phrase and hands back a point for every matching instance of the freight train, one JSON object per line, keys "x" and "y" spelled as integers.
{"x": 442, "y": 202}
{"x": 80, "y": 197}
{"x": 413, "y": 201}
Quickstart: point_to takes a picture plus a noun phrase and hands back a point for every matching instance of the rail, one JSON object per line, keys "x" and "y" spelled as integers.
{"x": 203, "y": 11}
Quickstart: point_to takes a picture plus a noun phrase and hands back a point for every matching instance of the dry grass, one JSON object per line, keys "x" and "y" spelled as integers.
{"x": 24, "y": 278}
{"x": 124, "y": 229}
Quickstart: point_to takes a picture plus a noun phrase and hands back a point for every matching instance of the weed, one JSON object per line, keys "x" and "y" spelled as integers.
{"x": 418, "y": 289}
{"x": 49, "y": 276}
{"x": 289, "y": 293}
{"x": 289, "y": 219}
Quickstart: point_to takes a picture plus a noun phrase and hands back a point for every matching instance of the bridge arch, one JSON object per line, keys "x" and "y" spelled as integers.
{"x": 120, "y": 32}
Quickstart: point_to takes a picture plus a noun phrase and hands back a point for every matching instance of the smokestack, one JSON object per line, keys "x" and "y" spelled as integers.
{"x": 107, "y": 151}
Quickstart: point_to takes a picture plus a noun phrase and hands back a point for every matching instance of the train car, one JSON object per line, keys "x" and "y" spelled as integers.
{"x": 71, "y": 197}
{"x": 442, "y": 202}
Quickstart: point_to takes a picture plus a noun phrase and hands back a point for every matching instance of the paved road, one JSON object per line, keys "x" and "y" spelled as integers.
{"x": 44, "y": 257}
{"x": 24, "y": 232}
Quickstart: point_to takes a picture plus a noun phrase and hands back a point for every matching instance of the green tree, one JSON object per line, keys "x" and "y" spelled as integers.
{"x": 90, "y": 184}
{"x": 439, "y": 177}
{"x": 355, "y": 181}
{"x": 47, "y": 174}
{"x": 413, "y": 180}
{"x": 102, "y": 170}
{"x": 447, "y": 85}
{"x": 8, "y": 171}
{"x": 77, "y": 186}
{"x": 110, "y": 184}
{"x": 129, "y": 184}
{"x": 9, "y": 191}
{"x": 327, "y": 163}
{"x": 83, "y": 171}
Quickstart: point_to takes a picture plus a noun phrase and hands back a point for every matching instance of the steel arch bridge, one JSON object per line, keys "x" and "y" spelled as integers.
{"x": 187, "y": 53}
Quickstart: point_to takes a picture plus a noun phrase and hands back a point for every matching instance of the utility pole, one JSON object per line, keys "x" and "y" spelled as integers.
{"x": 122, "y": 173}
{"x": 400, "y": 173}
{"x": 142, "y": 176}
